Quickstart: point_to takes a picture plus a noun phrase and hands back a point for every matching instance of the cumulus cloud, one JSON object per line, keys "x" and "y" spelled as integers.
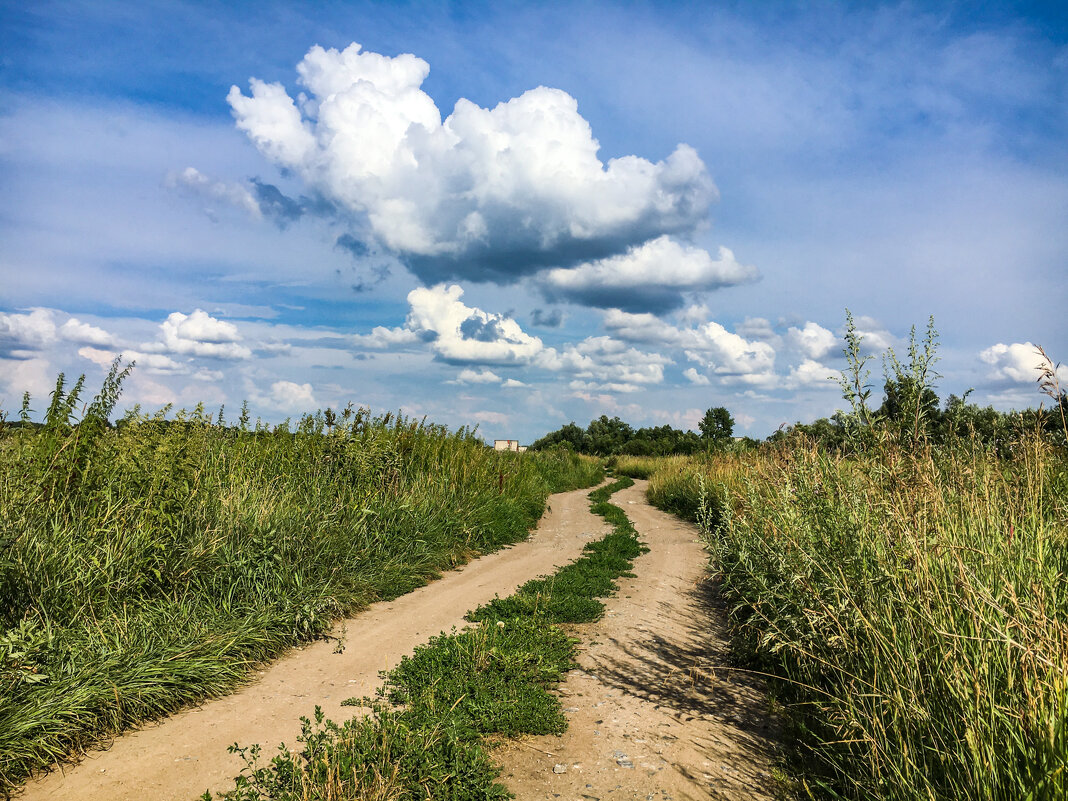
{"x": 488, "y": 194}
{"x": 155, "y": 363}
{"x": 195, "y": 182}
{"x": 603, "y": 363}
{"x": 649, "y": 277}
{"x": 695, "y": 377}
{"x": 199, "y": 334}
{"x": 456, "y": 332}
{"x": 1019, "y": 362}
{"x": 74, "y": 330}
{"x": 813, "y": 340}
{"x": 23, "y": 334}
{"x": 709, "y": 344}
{"x": 810, "y": 373}
{"x": 293, "y": 397}
{"x": 469, "y": 376}
{"x": 97, "y": 356}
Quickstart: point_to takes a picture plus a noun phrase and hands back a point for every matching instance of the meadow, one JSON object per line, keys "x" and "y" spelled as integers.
{"x": 908, "y": 602}
{"x": 150, "y": 564}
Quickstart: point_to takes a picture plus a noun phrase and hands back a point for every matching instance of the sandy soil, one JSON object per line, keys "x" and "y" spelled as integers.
{"x": 184, "y": 755}
{"x": 650, "y": 715}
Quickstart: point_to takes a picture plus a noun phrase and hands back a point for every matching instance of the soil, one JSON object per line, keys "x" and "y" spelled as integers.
{"x": 653, "y": 713}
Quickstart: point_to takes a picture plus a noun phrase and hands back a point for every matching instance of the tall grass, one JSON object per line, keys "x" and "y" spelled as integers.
{"x": 914, "y": 606}
{"x": 153, "y": 564}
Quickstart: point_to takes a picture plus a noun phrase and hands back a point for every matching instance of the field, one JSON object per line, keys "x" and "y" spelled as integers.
{"x": 146, "y": 566}
{"x": 911, "y": 604}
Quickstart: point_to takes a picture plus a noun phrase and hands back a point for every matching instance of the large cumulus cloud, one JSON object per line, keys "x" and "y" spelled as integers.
{"x": 485, "y": 194}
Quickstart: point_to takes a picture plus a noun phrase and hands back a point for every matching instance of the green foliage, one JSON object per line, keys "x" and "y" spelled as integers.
{"x": 151, "y": 564}
{"x": 717, "y": 426}
{"x": 913, "y": 605}
{"x": 607, "y": 436}
{"x": 490, "y": 679}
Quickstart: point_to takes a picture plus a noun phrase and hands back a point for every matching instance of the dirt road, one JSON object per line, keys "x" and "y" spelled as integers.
{"x": 650, "y": 717}
{"x": 186, "y": 754}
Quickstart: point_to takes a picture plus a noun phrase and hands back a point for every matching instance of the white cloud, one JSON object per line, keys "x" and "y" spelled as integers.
{"x": 757, "y": 328}
{"x": 874, "y": 337}
{"x": 155, "y": 363}
{"x": 488, "y": 194}
{"x": 21, "y": 334}
{"x": 513, "y": 383}
{"x": 710, "y": 345}
{"x": 653, "y": 276}
{"x": 200, "y": 334}
{"x": 695, "y": 377}
{"x": 493, "y": 418}
{"x": 810, "y": 373}
{"x": 457, "y": 332}
{"x": 75, "y": 330}
{"x": 290, "y": 396}
{"x": 1018, "y": 362}
{"x": 813, "y": 340}
{"x": 469, "y": 376}
{"x": 97, "y": 356}
{"x": 609, "y": 362}
{"x": 192, "y": 180}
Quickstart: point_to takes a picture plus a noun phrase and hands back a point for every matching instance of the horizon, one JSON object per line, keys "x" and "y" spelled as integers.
{"x": 522, "y": 217}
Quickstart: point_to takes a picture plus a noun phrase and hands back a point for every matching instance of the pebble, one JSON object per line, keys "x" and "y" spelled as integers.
{"x": 559, "y": 768}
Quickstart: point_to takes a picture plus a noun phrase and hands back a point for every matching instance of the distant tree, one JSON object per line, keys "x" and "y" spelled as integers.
{"x": 607, "y": 435}
{"x": 569, "y": 436}
{"x": 717, "y": 426}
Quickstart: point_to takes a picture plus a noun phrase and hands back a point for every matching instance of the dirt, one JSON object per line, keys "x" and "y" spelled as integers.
{"x": 185, "y": 754}
{"x": 653, "y": 714}
{"x": 653, "y": 711}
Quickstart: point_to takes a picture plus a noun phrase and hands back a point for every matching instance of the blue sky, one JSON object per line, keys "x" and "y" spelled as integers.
{"x": 518, "y": 216}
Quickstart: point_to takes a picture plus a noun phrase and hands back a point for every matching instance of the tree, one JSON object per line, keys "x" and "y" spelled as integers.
{"x": 717, "y": 426}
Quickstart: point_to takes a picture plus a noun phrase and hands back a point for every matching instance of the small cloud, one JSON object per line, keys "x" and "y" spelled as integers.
{"x": 456, "y": 332}
{"x": 23, "y": 334}
{"x": 1019, "y": 362}
{"x": 199, "y": 334}
{"x": 810, "y": 373}
{"x": 293, "y": 397}
{"x": 813, "y": 340}
{"x": 155, "y": 363}
{"x": 75, "y": 330}
{"x": 193, "y": 181}
{"x": 468, "y": 376}
{"x": 547, "y": 318}
{"x": 695, "y": 377}
{"x": 513, "y": 383}
{"x": 104, "y": 358}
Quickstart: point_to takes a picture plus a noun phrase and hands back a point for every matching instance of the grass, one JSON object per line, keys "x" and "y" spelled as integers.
{"x": 426, "y": 736}
{"x": 151, "y": 565}
{"x": 913, "y": 605}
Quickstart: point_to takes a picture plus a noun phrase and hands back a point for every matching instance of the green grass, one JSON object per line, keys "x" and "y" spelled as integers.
{"x": 152, "y": 565}
{"x": 490, "y": 680}
{"x": 914, "y": 607}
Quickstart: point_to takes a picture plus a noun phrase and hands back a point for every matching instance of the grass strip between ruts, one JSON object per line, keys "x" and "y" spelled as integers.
{"x": 426, "y": 734}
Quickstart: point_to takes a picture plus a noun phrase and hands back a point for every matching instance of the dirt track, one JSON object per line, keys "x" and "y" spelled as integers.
{"x": 186, "y": 754}
{"x": 650, "y": 718}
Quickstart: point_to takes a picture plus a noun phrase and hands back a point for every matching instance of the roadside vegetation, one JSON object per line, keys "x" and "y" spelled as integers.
{"x": 427, "y": 734}
{"x": 901, "y": 575}
{"x": 153, "y": 563}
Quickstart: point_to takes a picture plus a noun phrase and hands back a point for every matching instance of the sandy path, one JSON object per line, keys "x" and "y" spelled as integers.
{"x": 649, "y": 716}
{"x": 185, "y": 754}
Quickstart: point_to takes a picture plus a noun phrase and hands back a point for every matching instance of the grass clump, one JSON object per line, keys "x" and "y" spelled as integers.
{"x": 912, "y": 602}
{"x": 153, "y": 563}
{"x": 460, "y": 688}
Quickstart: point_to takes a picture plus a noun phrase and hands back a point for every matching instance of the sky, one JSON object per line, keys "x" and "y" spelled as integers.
{"x": 519, "y": 215}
